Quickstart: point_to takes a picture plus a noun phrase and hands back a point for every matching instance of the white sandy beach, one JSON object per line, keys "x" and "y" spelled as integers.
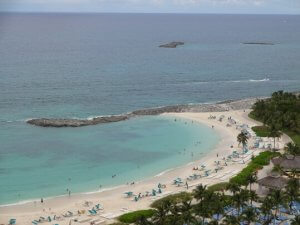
{"x": 114, "y": 200}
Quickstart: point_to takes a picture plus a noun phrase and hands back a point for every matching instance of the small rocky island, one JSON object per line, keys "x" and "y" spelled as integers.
{"x": 172, "y": 44}
{"x": 258, "y": 43}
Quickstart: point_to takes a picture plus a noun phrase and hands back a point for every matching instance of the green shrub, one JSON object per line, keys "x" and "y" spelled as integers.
{"x": 218, "y": 187}
{"x": 261, "y": 131}
{"x": 132, "y": 217}
{"x": 257, "y": 163}
{"x": 176, "y": 198}
{"x": 294, "y": 136}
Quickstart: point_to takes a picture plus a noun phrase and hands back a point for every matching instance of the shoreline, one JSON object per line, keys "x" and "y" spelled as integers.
{"x": 111, "y": 188}
{"x": 113, "y": 199}
{"x": 221, "y": 106}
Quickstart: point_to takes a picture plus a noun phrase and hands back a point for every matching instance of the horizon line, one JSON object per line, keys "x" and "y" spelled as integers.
{"x": 183, "y": 13}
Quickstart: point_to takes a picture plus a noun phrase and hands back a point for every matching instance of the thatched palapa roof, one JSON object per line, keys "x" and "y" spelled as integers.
{"x": 287, "y": 163}
{"x": 273, "y": 182}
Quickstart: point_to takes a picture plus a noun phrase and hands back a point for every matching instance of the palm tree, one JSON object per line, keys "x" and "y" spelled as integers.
{"x": 143, "y": 221}
{"x": 200, "y": 192}
{"x": 249, "y": 215}
{"x": 293, "y": 173}
{"x": 277, "y": 198}
{"x": 233, "y": 187}
{"x": 266, "y": 208}
{"x": 253, "y": 197}
{"x": 245, "y": 196}
{"x": 160, "y": 215}
{"x": 186, "y": 213}
{"x": 292, "y": 149}
{"x": 296, "y": 220}
{"x": 292, "y": 191}
{"x": 242, "y": 138}
{"x": 174, "y": 214}
{"x": 251, "y": 179}
{"x": 213, "y": 222}
{"x": 218, "y": 205}
{"x": 231, "y": 220}
{"x": 238, "y": 200}
{"x": 203, "y": 210}
{"x": 274, "y": 132}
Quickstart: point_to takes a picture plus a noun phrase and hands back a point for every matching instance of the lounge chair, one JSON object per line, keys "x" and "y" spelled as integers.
{"x": 12, "y": 221}
{"x": 98, "y": 207}
{"x": 93, "y": 212}
{"x": 128, "y": 194}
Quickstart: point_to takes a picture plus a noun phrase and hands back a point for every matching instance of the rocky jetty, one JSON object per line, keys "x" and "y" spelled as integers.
{"x": 172, "y": 44}
{"x": 47, "y": 122}
{"x": 215, "y": 107}
{"x": 258, "y": 43}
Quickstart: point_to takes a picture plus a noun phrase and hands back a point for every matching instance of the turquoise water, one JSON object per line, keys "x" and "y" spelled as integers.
{"x": 44, "y": 162}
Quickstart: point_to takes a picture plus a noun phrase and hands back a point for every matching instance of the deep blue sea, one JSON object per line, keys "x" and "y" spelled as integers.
{"x": 85, "y": 65}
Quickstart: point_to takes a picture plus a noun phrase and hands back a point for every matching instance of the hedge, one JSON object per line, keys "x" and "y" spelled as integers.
{"x": 172, "y": 198}
{"x": 132, "y": 217}
{"x": 257, "y": 163}
{"x": 261, "y": 131}
{"x": 218, "y": 187}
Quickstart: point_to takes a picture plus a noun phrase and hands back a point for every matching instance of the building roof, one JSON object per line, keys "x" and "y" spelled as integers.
{"x": 287, "y": 163}
{"x": 273, "y": 182}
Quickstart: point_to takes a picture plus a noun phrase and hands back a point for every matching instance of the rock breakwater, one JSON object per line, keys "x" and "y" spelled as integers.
{"x": 214, "y": 107}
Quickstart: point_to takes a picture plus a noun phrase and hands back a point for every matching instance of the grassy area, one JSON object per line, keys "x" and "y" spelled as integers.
{"x": 261, "y": 131}
{"x": 294, "y": 136}
{"x": 257, "y": 163}
{"x": 177, "y": 198}
{"x": 252, "y": 116}
{"x": 132, "y": 217}
{"x": 218, "y": 187}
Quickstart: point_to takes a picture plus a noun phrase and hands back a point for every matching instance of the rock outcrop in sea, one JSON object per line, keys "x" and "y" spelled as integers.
{"x": 258, "y": 43}
{"x": 214, "y": 107}
{"x": 172, "y": 44}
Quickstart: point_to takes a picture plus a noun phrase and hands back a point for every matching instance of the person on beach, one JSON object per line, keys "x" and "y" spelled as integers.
{"x": 69, "y": 193}
{"x": 217, "y": 155}
{"x": 42, "y": 200}
{"x": 187, "y": 185}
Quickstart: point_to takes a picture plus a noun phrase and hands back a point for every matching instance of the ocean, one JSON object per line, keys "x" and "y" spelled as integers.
{"x": 86, "y": 65}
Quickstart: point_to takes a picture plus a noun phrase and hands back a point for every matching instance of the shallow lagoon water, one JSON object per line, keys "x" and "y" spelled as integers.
{"x": 44, "y": 162}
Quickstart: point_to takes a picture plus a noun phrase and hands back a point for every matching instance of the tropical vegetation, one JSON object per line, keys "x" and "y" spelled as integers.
{"x": 280, "y": 112}
{"x": 235, "y": 202}
{"x": 238, "y": 205}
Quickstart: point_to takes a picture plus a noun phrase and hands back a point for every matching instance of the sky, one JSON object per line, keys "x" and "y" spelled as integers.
{"x": 155, "y": 6}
